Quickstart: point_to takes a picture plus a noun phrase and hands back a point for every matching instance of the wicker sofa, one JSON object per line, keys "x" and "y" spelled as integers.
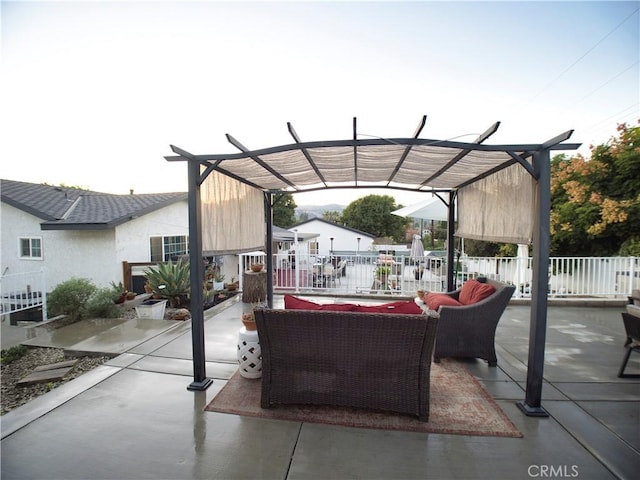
{"x": 469, "y": 330}
{"x": 378, "y": 361}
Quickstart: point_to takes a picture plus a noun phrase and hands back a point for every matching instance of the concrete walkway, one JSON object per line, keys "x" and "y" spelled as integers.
{"x": 133, "y": 417}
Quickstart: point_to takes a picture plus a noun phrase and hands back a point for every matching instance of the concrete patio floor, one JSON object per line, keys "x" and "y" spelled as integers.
{"x": 133, "y": 417}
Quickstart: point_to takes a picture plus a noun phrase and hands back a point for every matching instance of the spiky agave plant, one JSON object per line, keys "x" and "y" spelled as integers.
{"x": 170, "y": 280}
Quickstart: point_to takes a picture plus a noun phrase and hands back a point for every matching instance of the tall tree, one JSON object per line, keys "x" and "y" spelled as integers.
{"x": 372, "y": 214}
{"x": 595, "y": 204}
{"x": 332, "y": 216}
{"x": 284, "y": 210}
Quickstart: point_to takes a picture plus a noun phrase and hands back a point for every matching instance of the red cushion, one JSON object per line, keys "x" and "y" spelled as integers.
{"x": 473, "y": 291}
{"x": 295, "y": 303}
{"x": 466, "y": 292}
{"x": 407, "y": 306}
{"x": 338, "y": 307}
{"x": 435, "y": 300}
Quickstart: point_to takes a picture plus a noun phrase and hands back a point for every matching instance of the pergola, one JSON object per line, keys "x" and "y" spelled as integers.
{"x": 410, "y": 164}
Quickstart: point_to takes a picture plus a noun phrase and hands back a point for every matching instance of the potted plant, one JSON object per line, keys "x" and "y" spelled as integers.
{"x": 257, "y": 267}
{"x": 382, "y": 275}
{"x": 119, "y": 293}
{"x": 170, "y": 281}
{"x": 232, "y": 286}
{"x": 249, "y": 318}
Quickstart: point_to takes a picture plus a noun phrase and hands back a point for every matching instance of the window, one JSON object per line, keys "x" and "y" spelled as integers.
{"x": 31, "y": 247}
{"x": 168, "y": 247}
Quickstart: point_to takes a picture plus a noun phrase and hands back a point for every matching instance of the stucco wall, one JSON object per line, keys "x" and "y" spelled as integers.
{"x": 66, "y": 253}
{"x": 93, "y": 254}
{"x": 132, "y": 238}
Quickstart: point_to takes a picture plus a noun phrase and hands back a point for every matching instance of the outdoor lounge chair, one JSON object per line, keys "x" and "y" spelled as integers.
{"x": 469, "y": 330}
{"x": 631, "y": 319}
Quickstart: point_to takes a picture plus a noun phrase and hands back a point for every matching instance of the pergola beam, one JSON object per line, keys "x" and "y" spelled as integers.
{"x": 259, "y": 161}
{"x": 307, "y": 155}
{"x": 481, "y": 138}
{"x": 405, "y": 154}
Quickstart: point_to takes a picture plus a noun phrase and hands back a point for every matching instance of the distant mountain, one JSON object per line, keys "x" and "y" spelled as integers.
{"x": 318, "y": 210}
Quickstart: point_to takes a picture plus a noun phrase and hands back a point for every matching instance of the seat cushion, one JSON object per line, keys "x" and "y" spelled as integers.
{"x": 402, "y": 306}
{"x": 435, "y": 300}
{"x": 294, "y": 303}
{"x": 473, "y": 291}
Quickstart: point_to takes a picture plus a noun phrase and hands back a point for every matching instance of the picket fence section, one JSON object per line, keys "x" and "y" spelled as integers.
{"x": 373, "y": 274}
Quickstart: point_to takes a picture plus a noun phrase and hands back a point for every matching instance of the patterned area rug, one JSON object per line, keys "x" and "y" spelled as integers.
{"x": 459, "y": 405}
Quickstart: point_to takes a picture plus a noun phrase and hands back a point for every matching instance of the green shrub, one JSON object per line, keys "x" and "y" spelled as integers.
{"x": 12, "y": 354}
{"x": 170, "y": 280}
{"x": 101, "y": 305}
{"x": 70, "y": 298}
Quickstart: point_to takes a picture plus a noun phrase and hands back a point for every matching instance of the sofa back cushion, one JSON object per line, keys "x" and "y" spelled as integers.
{"x": 295, "y": 303}
{"x": 473, "y": 291}
{"x": 402, "y": 306}
{"x": 407, "y": 306}
{"x": 435, "y": 300}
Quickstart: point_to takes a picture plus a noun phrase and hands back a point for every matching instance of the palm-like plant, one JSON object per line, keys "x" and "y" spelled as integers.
{"x": 170, "y": 280}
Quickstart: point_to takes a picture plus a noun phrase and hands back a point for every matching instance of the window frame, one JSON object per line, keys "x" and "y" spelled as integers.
{"x": 31, "y": 255}
{"x": 166, "y": 255}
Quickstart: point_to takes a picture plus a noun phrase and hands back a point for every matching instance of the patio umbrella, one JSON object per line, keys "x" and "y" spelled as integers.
{"x": 430, "y": 209}
{"x": 417, "y": 249}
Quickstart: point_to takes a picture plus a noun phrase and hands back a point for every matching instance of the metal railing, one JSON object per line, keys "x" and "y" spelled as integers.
{"x": 21, "y": 291}
{"x": 374, "y": 274}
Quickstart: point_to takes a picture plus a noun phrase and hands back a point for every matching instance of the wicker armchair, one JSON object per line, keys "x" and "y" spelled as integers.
{"x": 469, "y": 330}
{"x": 364, "y": 360}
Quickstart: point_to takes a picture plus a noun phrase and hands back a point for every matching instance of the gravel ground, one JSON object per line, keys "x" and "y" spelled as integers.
{"x": 13, "y": 396}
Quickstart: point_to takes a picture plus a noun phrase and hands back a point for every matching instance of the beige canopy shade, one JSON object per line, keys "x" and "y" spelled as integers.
{"x": 508, "y": 180}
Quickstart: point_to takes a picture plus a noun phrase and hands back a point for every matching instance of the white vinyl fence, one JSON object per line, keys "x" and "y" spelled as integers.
{"x": 21, "y": 291}
{"x": 612, "y": 277}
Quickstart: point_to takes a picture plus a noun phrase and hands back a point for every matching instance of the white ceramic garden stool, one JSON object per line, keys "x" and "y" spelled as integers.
{"x": 249, "y": 354}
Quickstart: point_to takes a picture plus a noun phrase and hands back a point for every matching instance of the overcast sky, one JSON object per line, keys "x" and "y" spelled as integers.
{"x": 93, "y": 93}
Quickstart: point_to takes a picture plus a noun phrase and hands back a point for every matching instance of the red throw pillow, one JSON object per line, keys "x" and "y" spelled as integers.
{"x": 473, "y": 291}
{"x": 482, "y": 291}
{"x": 295, "y": 303}
{"x": 435, "y": 300}
{"x": 466, "y": 292}
{"x": 406, "y": 307}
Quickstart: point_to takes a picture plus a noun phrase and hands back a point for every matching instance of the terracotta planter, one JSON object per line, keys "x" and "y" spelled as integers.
{"x": 248, "y": 321}
{"x": 257, "y": 267}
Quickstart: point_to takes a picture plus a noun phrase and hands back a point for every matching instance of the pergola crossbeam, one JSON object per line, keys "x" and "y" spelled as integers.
{"x": 416, "y": 134}
{"x": 260, "y": 162}
{"x": 306, "y": 154}
{"x": 487, "y": 133}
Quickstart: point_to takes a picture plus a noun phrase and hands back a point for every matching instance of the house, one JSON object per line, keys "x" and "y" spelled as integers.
{"x": 70, "y": 232}
{"x": 333, "y": 238}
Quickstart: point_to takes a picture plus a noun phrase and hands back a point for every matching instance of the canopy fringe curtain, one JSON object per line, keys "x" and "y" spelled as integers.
{"x": 232, "y": 216}
{"x": 498, "y": 208}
